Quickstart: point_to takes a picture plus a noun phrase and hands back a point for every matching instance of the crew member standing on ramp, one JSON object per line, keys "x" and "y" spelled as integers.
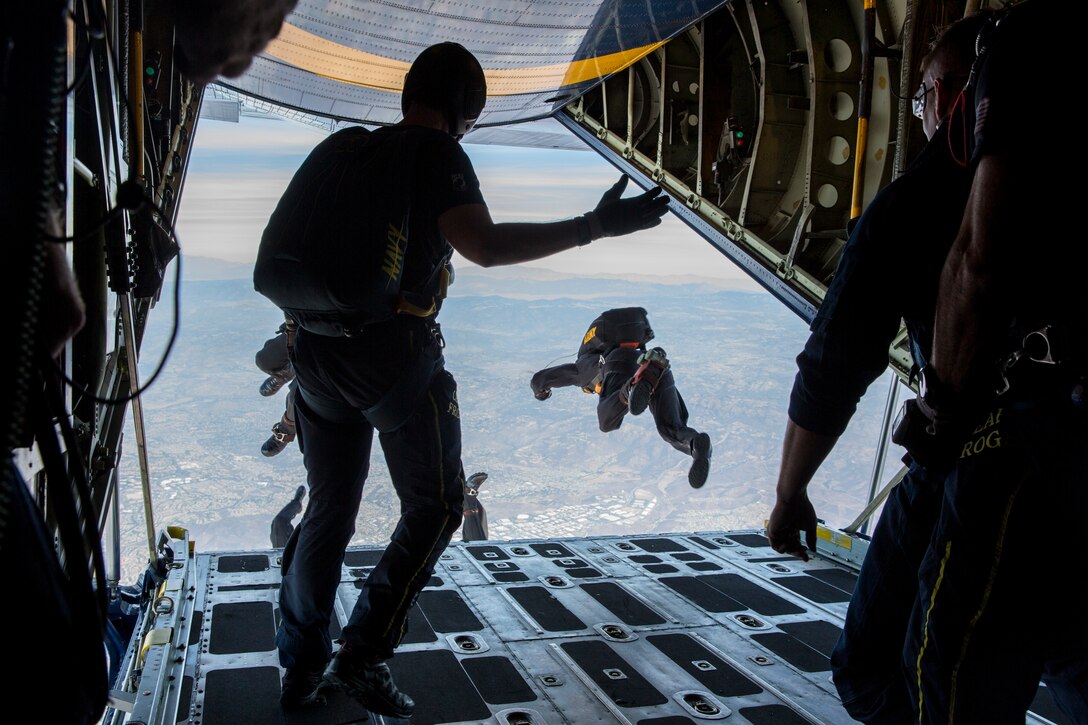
{"x": 357, "y": 255}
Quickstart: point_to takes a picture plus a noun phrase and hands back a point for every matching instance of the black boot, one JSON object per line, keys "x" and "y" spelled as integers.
{"x": 368, "y": 681}
{"x": 652, "y": 365}
{"x": 282, "y": 434}
{"x": 302, "y": 686}
{"x": 272, "y": 385}
{"x": 294, "y": 506}
{"x": 700, "y": 465}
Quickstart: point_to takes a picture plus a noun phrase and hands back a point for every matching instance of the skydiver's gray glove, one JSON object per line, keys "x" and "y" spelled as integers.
{"x": 615, "y": 217}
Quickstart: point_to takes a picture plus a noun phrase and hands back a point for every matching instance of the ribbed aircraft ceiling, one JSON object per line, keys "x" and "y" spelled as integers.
{"x": 347, "y": 59}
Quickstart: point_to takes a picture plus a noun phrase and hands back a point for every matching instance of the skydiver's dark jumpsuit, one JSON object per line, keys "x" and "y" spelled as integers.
{"x": 474, "y": 526}
{"x": 283, "y": 523}
{"x": 606, "y": 360}
{"x": 272, "y": 359}
{"x": 339, "y": 378}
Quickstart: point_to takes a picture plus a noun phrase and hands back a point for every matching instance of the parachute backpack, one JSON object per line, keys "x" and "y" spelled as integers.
{"x": 619, "y": 327}
{"x": 332, "y": 254}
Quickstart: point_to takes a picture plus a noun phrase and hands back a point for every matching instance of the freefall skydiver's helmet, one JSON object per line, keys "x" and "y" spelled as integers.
{"x": 447, "y": 78}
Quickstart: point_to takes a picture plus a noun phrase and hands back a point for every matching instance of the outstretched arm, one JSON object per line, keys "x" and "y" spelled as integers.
{"x": 580, "y": 372}
{"x": 802, "y": 453}
{"x": 471, "y": 231}
{"x": 559, "y": 376}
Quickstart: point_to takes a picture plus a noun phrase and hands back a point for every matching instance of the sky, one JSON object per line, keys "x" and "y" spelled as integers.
{"x": 239, "y": 170}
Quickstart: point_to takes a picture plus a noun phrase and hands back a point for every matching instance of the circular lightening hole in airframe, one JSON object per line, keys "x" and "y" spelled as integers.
{"x": 842, "y": 106}
{"x": 827, "y": 195}
{"x": 838, "y": 150}
{"x": 837, "y": 55}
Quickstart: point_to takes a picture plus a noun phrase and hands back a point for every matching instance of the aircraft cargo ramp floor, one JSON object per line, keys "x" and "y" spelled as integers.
{"x": 645, "y": 630}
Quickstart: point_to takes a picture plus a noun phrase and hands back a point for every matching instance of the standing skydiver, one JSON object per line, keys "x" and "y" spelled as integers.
{"x": 410, "y": 192}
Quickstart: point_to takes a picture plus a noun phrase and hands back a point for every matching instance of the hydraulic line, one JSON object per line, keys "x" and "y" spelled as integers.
{"x": 865, "y": 102}
{"x": 125, "y": 299}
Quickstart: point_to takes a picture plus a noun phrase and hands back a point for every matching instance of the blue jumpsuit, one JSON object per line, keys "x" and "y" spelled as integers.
{"x": 846, "y": 351}
{"x": 1002, "y": 598}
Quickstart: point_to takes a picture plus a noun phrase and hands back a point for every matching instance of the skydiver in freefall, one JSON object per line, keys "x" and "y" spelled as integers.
{"x": 614, "y": 363}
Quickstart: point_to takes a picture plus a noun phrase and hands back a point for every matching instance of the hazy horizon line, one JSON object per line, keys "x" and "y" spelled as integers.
{"x": 196, "y": 268}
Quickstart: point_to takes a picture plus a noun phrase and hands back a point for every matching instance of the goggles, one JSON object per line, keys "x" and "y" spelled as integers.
{"x": 918, "y": 100}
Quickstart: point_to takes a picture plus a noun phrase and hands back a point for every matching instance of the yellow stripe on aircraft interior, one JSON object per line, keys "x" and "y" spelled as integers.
{"x": 338, "y": 62}
{"x": 834, "y": 537}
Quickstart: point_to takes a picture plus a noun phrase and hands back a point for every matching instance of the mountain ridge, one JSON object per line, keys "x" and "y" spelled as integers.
{"x": 209, "y": 269}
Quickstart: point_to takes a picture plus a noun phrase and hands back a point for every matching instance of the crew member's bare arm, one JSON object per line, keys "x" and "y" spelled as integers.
{"x": 471, "y": 231}
{"x": 968, "y": 303}
{"x": 802, "y": 453}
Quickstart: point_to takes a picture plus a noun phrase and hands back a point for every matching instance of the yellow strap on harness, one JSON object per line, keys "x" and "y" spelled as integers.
{"x": 404, "y": 307}
{"x": 595, "y": 386}
{"x": 290, "y": 328}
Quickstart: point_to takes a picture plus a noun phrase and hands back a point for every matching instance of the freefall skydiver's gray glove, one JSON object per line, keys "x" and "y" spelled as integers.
{"x": 615, "y": 217}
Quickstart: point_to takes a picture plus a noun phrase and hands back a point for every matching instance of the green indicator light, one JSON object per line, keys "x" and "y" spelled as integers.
{"x": 740, "y": 134}
{"x": 150, "y": 70}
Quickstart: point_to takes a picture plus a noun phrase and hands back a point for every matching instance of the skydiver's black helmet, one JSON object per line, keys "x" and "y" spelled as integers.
{"x": 447, "y": 78}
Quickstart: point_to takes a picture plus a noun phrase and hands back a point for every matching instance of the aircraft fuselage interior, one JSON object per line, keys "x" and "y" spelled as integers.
{"x": 769, "y": 123}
